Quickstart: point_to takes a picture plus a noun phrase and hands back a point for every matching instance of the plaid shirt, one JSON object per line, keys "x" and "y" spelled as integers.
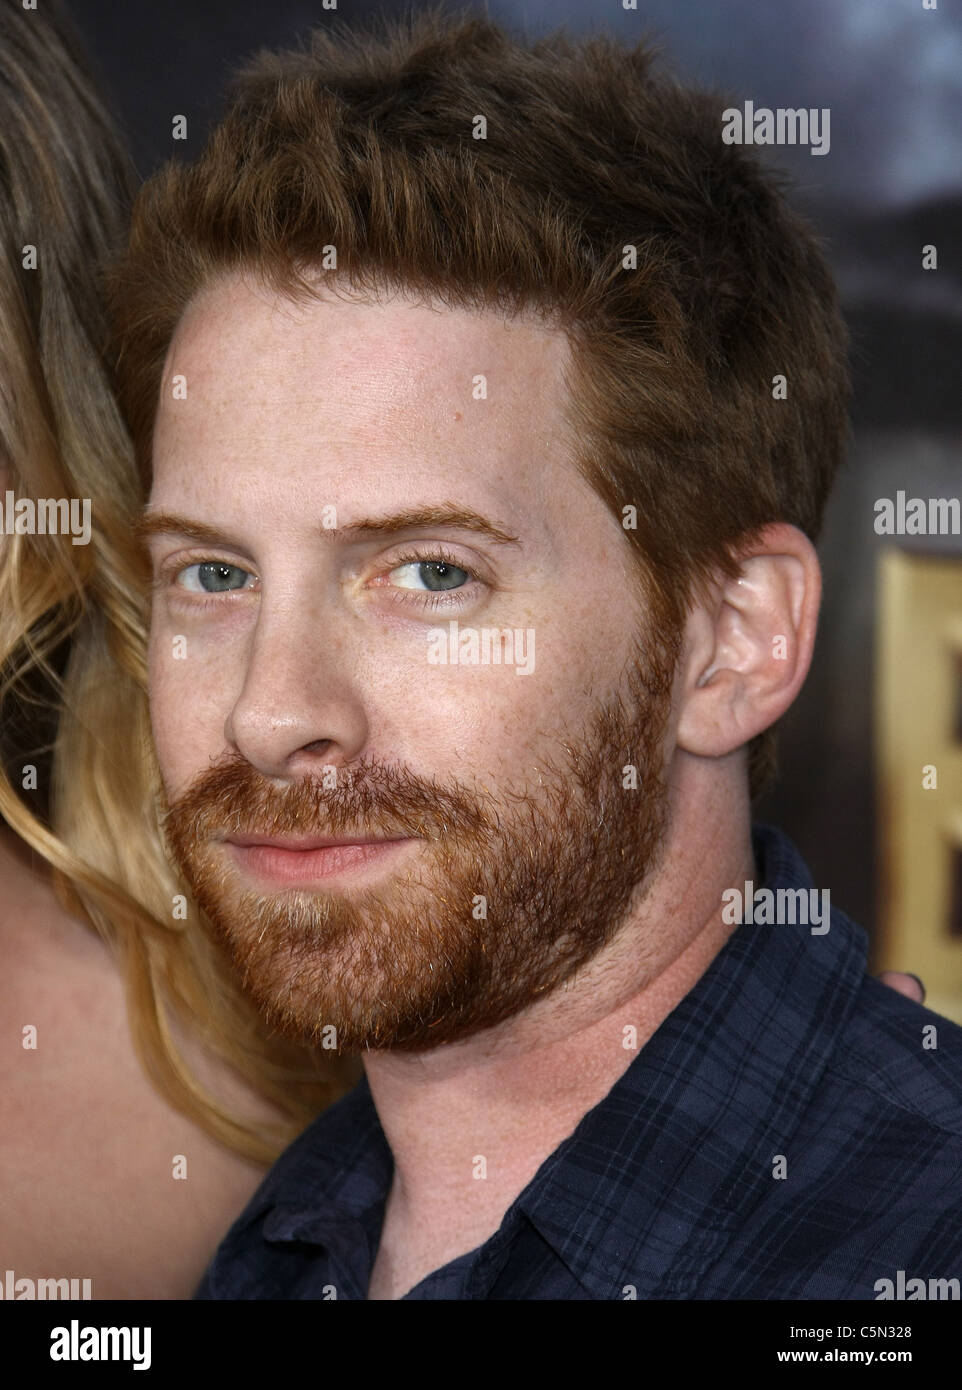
{"x": 667, "y": 1189}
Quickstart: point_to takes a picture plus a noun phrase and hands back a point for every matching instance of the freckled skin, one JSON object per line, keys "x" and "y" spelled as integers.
{"x": 321, "y": 661}
{"x": 371, "y": 439}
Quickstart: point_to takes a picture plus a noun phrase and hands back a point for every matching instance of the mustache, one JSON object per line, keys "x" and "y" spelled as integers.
{"x": 367, "y": 799}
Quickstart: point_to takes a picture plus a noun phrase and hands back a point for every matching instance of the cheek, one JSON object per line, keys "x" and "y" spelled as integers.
{"x": 187, "y": 726}
{"x": 489, "y": 721}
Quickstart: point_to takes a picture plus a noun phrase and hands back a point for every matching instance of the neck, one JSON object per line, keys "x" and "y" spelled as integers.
{"x": 469, "y": 1124}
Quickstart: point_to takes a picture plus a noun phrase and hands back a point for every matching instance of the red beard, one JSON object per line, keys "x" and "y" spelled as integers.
{"x": 510, "y": 893}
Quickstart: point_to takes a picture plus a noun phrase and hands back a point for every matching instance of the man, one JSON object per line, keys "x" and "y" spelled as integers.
{"x": 489, "y": 403}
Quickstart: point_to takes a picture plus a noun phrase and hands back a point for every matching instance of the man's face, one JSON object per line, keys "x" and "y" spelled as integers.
{"x": 371, "y": 474}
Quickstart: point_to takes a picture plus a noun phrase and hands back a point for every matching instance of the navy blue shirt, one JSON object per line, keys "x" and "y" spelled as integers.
{"x": 788, "y": 1132}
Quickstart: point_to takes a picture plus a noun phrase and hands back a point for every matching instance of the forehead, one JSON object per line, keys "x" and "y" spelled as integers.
{"x": 358, "y": 366}
{"x": 371, "y": 404}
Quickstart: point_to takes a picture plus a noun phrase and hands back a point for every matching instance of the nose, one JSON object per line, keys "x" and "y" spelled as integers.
{"x": 299, "y": 707}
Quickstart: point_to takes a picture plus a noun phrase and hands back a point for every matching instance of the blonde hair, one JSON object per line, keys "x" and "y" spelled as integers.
{"x": 72, "y": 617}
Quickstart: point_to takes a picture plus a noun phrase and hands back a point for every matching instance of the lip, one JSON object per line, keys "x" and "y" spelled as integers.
{"x": 302, "y": 861}
{"x": 300, "y": 844}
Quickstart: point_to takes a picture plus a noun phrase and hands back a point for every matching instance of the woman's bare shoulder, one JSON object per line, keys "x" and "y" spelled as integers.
{"x": 99, "y": 1177}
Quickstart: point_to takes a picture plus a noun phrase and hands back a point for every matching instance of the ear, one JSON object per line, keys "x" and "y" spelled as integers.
{"x": 748, "y": 650}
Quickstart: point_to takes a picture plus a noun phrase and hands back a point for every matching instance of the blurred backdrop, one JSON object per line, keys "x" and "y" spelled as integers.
{"x": 890, "y": 71}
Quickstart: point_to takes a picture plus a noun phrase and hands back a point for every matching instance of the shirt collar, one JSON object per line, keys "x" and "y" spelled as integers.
{"x": 717, "y": 1090}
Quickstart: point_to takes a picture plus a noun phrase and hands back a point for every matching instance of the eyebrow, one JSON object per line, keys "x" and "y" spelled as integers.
{"x": 414, "y": 518}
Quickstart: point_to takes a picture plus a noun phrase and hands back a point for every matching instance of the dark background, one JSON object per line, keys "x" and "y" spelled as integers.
{"x": 891, "y": 75}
